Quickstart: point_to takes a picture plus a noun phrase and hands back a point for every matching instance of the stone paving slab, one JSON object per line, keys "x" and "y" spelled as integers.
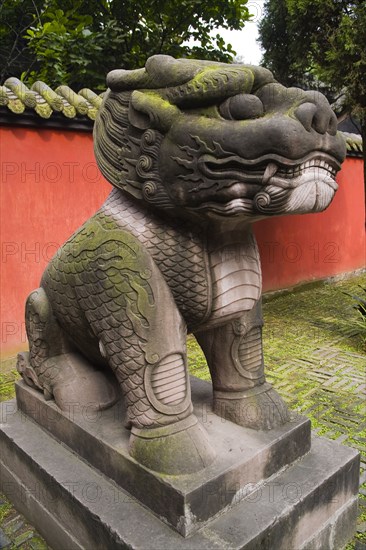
{"x": 16, "y": 532}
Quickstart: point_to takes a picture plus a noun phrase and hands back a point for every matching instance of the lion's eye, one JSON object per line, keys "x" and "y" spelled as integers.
{"x": 241, "y": 107}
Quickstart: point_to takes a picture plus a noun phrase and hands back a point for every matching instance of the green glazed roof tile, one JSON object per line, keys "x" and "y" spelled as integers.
{"x": 4, "y": 100}
{"x": 21, "y": 91}
{"x": 43, "y": 109}
{"x": 48, "y": 95}
{"x": 78, "y": 102}
{"x": 354, "y": 143}
{"x": 14, "y": 103}
{"x": 44, "y": 101}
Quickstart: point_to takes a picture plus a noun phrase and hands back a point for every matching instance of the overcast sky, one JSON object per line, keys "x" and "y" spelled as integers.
{"x": 244, "y": 42}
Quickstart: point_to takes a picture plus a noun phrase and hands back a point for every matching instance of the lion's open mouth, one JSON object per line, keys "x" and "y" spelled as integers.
{"x": 293, "y": 172}
{"x": 268, "y": 185}
{"x": 262, "y": 169}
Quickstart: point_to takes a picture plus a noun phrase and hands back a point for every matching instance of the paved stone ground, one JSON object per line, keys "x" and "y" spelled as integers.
{"x": 326, "y": 376}
{"x": 15, "y": 532}
{"x": 315, "y": 357}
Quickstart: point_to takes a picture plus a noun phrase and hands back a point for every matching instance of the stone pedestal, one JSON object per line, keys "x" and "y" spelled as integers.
{"x": 81, "y": 489}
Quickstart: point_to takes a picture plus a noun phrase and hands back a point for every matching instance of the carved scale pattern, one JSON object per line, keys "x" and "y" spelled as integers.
{"x": 38, "y": 346}
{"x": 97, "y": 285}
{"x": 176, "y": 249}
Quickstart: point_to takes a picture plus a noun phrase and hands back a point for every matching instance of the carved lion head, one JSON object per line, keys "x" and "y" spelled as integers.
{"x": 217, "y": 139}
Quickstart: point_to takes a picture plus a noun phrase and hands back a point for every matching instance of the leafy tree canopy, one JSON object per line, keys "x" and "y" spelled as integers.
{"x": 77, "y": 42}
{"x": 309, "y": 42}
{"x": 319, "y": 43}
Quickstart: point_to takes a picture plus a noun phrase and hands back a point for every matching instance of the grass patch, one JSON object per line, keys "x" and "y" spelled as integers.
{"x": 5, "y": 508}
{"x": 7, "y": 389}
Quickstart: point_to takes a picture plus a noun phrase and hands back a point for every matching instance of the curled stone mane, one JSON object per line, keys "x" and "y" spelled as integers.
{"x": 123, "y": 133}
{"x": 118, "y": 146}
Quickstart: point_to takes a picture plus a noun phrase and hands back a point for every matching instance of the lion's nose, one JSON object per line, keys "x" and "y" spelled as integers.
{"x": 320, "y": 117}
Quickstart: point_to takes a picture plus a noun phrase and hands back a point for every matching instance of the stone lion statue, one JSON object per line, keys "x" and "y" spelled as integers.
{"x": 196, "y": 152}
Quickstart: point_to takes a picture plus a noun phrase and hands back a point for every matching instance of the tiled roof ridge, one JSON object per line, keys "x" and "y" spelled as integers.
{"x": 354, "y": 143}
{"x": 44, "y": 101}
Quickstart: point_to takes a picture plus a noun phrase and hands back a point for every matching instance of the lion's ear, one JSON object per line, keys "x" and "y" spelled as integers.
{"x": 138, "y": 118}
{"x": 150, "y": 110}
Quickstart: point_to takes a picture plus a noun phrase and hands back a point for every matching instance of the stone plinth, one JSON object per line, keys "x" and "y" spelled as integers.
{"x": 265, "y": 489}
{"x": 244, "y": 457}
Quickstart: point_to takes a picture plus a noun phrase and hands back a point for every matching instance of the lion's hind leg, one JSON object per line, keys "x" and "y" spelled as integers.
{"x": 45, "y": 340}
{"x": 54, "y": 366}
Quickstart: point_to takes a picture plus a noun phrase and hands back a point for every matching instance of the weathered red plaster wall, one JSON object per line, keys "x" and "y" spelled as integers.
{"x": 50, "y": 185}
{"x": 297, "y": 249}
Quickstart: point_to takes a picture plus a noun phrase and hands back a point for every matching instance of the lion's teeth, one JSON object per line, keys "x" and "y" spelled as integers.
{"x": 291, "y": 172}
{"x": 270, "y": 171}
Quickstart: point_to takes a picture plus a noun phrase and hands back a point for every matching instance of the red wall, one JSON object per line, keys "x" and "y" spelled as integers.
{"x": 50, "y": 185}
{"x": 307, "y": 247}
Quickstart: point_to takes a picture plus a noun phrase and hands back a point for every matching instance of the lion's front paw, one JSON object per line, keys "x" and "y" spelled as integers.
{"x": 260, "y": 408}
{"x": 177, "y": 449}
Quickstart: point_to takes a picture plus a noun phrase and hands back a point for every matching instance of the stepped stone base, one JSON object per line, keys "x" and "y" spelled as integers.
{"x": 244, "y": 457}
{"x": 265, "y": 490}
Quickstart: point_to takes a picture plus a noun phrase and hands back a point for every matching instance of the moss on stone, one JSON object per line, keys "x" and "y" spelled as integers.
{"x": 5, "y": 509}
{"x": 7, "y": 379}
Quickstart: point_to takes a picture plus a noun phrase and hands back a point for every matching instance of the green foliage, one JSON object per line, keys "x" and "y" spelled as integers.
{"x": 324, "y": 40}
{"x": 321, "y": 39}
{"x": 319, "y": 43}
{"x": 77, "y": 42}
{"x": 5, "y": 508}
{"x": 276, "y": 38}
{"x": 16, "y": 16}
